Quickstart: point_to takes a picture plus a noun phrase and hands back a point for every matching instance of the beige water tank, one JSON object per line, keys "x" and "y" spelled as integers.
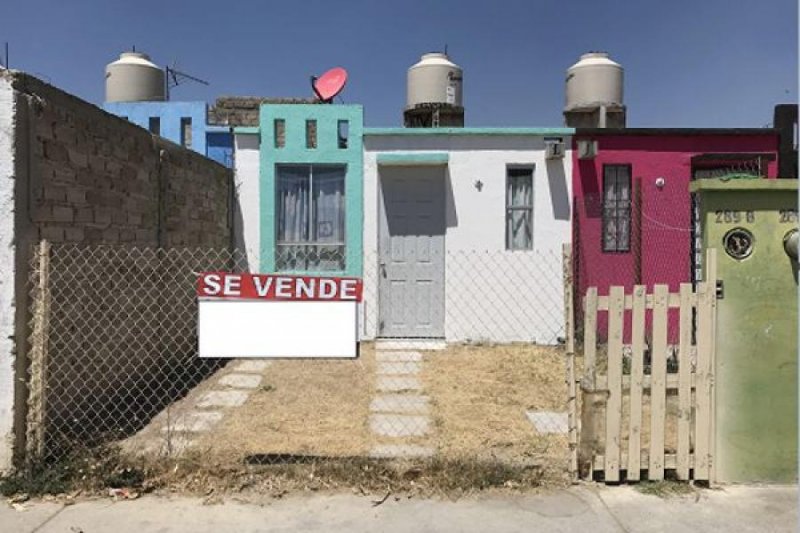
{"x": 134, "y": 78}
{"x": 434, "y": 80}
{"x": 594, "y": 81}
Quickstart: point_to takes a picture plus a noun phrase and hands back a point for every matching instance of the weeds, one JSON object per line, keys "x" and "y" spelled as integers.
{"x": 84, "y": 471}
{"x": 666, "y": 488}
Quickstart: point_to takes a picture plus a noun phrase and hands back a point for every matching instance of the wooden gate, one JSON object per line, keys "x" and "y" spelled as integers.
{"x": 646, "y": 404}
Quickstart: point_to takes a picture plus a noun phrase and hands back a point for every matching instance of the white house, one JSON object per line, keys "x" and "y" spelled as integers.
{"x": 459, "y": 230}
{"x": 463, "y": 229}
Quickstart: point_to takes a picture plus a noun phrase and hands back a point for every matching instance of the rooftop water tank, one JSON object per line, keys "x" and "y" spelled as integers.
{"x": 134, "y": 78}
{"x": 434, "y": 80}
{"x": 594, "y": 81}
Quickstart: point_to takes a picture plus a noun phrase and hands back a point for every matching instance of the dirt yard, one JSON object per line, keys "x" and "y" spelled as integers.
{"x": 316, "y": 408}
{"x": 303, "y": 410}
{"x": 480, "y": 396}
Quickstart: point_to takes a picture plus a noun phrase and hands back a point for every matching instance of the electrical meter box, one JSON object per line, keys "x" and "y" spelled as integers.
{"x": 752, "y": 223}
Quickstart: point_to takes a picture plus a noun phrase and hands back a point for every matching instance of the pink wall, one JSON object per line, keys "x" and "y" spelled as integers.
{"x": 665, "y": 238}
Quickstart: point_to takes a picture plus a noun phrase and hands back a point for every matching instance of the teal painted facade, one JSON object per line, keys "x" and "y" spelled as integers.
{"x": 413, "y": 158}
{"x": 327, "y": 151}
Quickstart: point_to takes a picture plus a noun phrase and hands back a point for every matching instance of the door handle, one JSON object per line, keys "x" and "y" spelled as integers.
{"x": 383, "y": 269}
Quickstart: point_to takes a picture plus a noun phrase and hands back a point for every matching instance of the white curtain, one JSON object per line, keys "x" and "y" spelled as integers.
{"x": 519, "y": 199}
{"x": 293, "y": 204}
{"x": 329, "y": 204}
{"x": 311, "y": 217}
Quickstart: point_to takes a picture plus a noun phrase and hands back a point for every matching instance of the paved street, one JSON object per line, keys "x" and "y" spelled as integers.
{"x": 592, "y": 508}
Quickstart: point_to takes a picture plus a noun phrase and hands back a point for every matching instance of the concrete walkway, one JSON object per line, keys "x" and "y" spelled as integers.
{"x": 580, "y": 509}
{"x": 399, "y": 411}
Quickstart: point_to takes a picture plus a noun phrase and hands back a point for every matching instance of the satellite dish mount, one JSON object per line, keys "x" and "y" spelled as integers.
{"x": 329, "y": 85}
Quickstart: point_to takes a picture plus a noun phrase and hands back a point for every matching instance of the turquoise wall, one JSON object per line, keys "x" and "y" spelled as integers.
{"x": 327, "y": 151}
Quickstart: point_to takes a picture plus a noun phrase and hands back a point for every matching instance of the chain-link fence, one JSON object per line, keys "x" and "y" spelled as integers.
{"x": 113, "y": 353}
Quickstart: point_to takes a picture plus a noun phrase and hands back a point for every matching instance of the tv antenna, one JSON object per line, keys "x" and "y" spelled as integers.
{"x": 174, "y": 77}
{"x": 329, "y": 85}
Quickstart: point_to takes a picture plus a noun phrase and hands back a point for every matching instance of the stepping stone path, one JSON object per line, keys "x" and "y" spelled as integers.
{"x": 399, "y": 410}
{"x": 231, "y": 390}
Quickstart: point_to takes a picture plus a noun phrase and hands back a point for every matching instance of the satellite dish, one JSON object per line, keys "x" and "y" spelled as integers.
{"x": 327, "y": 86}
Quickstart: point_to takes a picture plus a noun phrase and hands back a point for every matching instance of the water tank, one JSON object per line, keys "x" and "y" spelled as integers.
{"x": 434, "y": 80}
{"x": 134, "y": 78}
{"x": 595, "y": 80}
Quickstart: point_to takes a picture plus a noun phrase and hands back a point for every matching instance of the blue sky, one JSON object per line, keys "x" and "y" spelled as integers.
{"x": 715, "y": 63}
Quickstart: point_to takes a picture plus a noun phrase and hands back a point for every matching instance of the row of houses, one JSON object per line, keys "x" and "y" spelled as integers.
{"x": 408, "y": 208}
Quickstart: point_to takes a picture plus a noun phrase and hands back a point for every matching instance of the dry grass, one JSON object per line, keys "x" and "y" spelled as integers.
{"x": 310, "y": 407}
{"x": 480, "y": 396}
{"x": 307, "y": 427}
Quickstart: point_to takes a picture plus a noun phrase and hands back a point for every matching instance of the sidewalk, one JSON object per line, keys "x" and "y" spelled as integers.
{"x": 592, "y": 508}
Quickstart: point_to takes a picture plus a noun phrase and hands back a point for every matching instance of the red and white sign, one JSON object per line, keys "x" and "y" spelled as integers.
{"x": 278, "y": 287}
{"x": 277, "y": 316}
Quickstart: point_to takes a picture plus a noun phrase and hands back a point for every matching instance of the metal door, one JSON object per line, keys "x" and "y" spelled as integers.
{"x": 411, "y": 252}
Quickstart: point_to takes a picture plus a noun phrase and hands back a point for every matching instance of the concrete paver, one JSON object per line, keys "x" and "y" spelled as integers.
{"x": 399, "y": 403}
{"x": 241, "y": 381}
{"x": 254, "y": 365}
{"x": 398, "y": 383}
{"x": 222, "y": 398}
{"x": 390, "y": 425}
{"x": 398, "y": 356}
{"x": 401, "y": 450}
{"x": 194, "y": 422}
{"x": 398, "y": 367}
{"x": 549, "y": 421}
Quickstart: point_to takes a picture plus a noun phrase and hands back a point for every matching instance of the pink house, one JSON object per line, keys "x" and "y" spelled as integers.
{"x": 633, "y": 219}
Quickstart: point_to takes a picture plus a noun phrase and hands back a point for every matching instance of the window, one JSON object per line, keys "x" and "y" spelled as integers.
{"x": 186, "y": 132}
{"x": 519, "y": 209}
{"x": 311, "y": 217}
{"x": 311, "y": 133}
{"x": 280, "y": 132}
{"x": 155, "y": 125}
{"x": 616, "y": 208}
{"x": 342, "y": 133}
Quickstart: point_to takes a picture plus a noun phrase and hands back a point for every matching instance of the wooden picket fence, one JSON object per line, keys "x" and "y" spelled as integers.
{"x": 622, "y": 397}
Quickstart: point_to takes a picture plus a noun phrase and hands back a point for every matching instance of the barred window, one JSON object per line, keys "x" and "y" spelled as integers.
{"x": 519, "y": 209}
{"x": 616, "y": 208}
{"x": 311, "y": 217}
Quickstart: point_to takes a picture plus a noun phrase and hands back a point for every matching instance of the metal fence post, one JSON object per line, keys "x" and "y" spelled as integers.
{"x": 569, "y": 344}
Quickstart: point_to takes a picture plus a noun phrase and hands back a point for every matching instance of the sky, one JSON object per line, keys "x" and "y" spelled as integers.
{"x": 701, "y": 63}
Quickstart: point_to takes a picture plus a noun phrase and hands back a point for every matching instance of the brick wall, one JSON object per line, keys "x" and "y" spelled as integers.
{"x": 82, "y": 176}
{"x": 244, "y": 110}
{"x": 97, "y": 179}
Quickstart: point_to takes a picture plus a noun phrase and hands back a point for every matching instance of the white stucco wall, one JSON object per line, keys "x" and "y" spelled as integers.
{"x": 490, "y": 293}
{"x": 7, "y": 277}
{"x": 248, "y": 216}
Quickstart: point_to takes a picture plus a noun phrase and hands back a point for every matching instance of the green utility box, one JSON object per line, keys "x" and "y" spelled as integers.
{"x": 752, "y": 223}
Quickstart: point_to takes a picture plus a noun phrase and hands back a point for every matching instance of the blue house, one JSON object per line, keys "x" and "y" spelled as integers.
{"x": 184, "y": 123}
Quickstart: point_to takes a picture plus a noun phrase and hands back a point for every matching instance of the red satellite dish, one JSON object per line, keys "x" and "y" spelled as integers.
{"x": 327, "y": 86}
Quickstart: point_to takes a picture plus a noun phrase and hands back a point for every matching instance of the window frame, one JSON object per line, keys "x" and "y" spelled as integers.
{"x": 186, "y": 133}
{"x": 617, "y": 249}
{"x": 529, "y": 169}
{"x": 311, "y": 217}
{"x": 154, "y": 125}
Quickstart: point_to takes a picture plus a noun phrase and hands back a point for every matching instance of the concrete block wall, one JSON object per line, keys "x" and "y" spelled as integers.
{"x": 97, "y": 179}
{"x": 72, "y": 173}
